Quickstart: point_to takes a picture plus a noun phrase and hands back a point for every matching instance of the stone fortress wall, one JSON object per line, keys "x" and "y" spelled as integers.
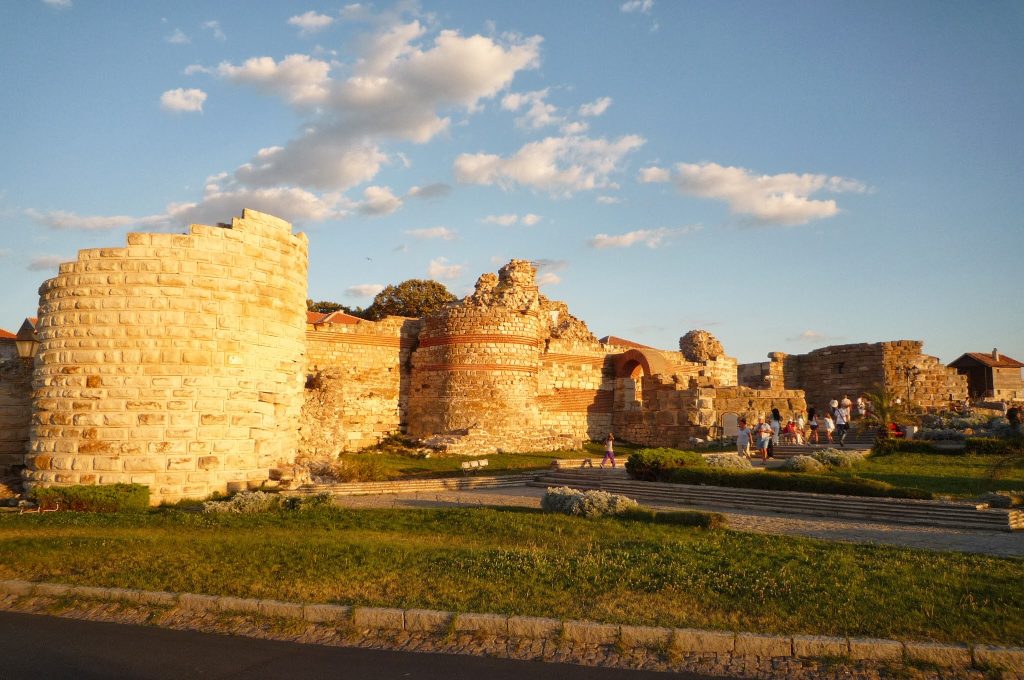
{"x": 179, "y": 362}
{"x": 828, "y": 373}
{"x": 175, "y": 362}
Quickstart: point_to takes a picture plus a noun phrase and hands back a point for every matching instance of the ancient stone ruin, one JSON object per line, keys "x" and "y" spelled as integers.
{"x": 187, "y": 363}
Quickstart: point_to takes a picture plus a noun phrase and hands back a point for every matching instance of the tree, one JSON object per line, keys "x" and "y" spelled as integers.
{"x": 884, "y": 408}
{"x": 415, "y": 298}
{"x": 326, "y": 306}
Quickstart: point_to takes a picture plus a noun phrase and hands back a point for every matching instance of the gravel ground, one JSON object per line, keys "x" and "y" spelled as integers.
{"x": 1005, "y": 544}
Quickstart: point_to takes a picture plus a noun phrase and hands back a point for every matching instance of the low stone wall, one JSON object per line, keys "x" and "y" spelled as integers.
{"x": 719, "y": 653}
{"x": 15, "y": 412}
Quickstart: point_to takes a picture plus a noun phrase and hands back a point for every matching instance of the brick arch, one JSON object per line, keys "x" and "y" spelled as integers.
{"x": 649, "y": 361}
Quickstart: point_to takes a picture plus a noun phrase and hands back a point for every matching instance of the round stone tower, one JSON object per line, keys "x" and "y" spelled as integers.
{"x": 175, "y": 362}
{"x": 475, "y": 371}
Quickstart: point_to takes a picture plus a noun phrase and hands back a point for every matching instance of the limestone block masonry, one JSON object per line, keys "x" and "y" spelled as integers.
{"x": 15, "y": 412}
{"x": 176, "y": 362}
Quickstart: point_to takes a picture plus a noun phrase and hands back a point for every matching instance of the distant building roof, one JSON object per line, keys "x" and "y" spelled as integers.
{"x": 7, "y": 335}
{"x": 987, "y": 360}
{"x": 340, "y": 317}
{"x": 622, "y": 342}
{"x": 315, "y": 317}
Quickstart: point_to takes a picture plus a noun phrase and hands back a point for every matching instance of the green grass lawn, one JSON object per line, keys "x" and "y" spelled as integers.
{"x": 954, "y": 475}
{"x": 525, "y": 562}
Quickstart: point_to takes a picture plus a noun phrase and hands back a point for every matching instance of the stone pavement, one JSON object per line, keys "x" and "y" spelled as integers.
{"x": 1000, "y": 543}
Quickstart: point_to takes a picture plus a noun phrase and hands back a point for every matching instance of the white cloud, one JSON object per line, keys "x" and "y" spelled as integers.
{"x": 652, "y": 238}
{"x": 643, "y": 6}
{"x": 608, "y": 200}
{"x": 574, "y": 128}
{"x": 440, "y": 269}
{"x": 69, "y": 221}
{"x": 298, "y": 78}
{"x": 363, "y": 290}
{"x": 4, "y": 252}
{"x": 548, "y": 278}
{"x": 45, "y": 262}
{"x": 655, "y": 174}
{"x": 435, "y": 190}
{"x": 782, "y": 199}
{"x": 529, "y": 219}
{"x": 443, "y": 233}
{"x": 177, "y": 38}
{"x": 814, "y": 337}
{"x": 214, "y": 27}
{"x": 58, "y": 4}
{"x": 183, "y": 100}
{"x": 394, "y": 91}
{"x": 538, "y": 112}
{"x": 596, "y": 107}
{"x": 558, "y": 165}
{"x": 503, "y": 220}
{"x": 311, "y": 22}
{"x": 379, "y": 201}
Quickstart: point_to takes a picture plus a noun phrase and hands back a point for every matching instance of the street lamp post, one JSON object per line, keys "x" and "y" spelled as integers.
{"x": 26, "y": 342}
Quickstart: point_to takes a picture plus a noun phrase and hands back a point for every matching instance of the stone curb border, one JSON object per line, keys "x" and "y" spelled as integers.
{"x": 679, "y": 640}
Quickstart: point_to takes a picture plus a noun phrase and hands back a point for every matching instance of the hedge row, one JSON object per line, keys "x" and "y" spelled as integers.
{"x": 795, "y": 481}
{"x": 87, "y": 498}
{"x": 656, "y": 465}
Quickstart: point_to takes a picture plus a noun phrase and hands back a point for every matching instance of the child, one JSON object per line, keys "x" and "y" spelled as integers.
{"x": 609, "y": 450}
{"x": 830, "y": 427}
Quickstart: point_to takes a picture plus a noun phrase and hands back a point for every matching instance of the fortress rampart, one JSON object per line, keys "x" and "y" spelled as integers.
{"x": 174, "y": 362}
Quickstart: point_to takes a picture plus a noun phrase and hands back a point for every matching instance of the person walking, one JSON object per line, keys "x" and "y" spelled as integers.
{"x": 776, "y": 425}
{"x": 743, "y": 437}
{"x": 763, "y": 432}
{"x": 801, "y": 426}
{"x": 842, "y": 416}
{"x": 812, "y": 423}
{"x": 609, "y": 450}
{"x": 830, "y": 427}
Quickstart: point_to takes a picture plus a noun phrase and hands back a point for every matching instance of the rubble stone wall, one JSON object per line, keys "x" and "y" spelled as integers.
{"x": 15, "y": 412}
{"x": 357, "y": 384}
{"x": 175, "y": 362}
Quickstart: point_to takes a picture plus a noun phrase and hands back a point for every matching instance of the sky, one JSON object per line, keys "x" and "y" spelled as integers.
{"x": 785, "y": 175}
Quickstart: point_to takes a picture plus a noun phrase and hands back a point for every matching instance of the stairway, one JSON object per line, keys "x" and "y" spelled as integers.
{"x": 963, "y": 515}
{"x": 855, "y": 441}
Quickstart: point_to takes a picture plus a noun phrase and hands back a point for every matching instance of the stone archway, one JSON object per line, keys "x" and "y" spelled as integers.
{"x": 631, "y": 367}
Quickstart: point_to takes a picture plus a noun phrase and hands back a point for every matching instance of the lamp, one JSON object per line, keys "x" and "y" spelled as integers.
{"x": 26, "y": 342}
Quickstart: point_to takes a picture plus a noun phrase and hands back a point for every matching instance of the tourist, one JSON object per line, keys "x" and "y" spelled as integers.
{"x": 743, "y": 437}
{"x": 862, "y": 408}
{"x": 801, "y": 426}
{"x": 763, "y": 432}
{"x": 789, "y": 432}
{"x": 812, "y": 423}
{"x": 609, "y": 450}
{"x": 846, "y": 403}
{"x": 830, "y": 427}
{"x": 842, "y": 416}
{"x": 776, "y": 425}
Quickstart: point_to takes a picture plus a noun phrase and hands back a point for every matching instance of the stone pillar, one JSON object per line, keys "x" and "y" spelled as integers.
{"x": 175, "y": 362}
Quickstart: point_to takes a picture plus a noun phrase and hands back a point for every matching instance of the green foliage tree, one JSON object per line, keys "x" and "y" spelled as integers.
{"x": 325, "y": 306}
{"x": 415, "y": 298}
{"x": 883, "y": 409}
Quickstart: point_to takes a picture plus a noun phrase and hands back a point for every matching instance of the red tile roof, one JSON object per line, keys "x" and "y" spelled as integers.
{"x": 340, "y": 317}
{"x": 315, "y": 317}
{"x": 622, "y": 342}
{"x": 7, "y": 335}
{"x": 987, "y": 360}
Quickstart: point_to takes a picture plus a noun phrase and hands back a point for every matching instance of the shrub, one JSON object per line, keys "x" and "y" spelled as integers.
{"x": 939, "y": 434}
{"x": 586, "y": 503}
{"x": 245, "y": 503}
{"x": 803, "y": 464}
{"x": 654, "y": 465}
{"x": 682, "y": 518}
{"x": 795, "y": 481}
{"x": 989, "y": 446}
{"x": 838, "y": 459}
{"x": 728, "y": 461}
{"x": 885, "y": 447}
{"x": 94, "y": 498}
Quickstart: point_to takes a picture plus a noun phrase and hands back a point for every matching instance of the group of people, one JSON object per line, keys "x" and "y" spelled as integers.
{"x": 767, "y": 434}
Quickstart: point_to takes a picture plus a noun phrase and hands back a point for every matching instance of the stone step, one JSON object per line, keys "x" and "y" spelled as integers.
{"x": 418, "y": 485}
{"x": 932, "y": 513}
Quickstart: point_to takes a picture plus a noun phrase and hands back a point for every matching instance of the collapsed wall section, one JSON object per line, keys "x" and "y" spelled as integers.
{"x": 175, "y": 362}
{"x": 357, "y": 384}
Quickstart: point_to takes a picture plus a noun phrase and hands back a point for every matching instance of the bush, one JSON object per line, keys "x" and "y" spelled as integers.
{"x": 795, "y": 481}
{"x": 993, "y": 446}
{"x": 94, "y": 498}
{"x": 728, "y": 461}
{"x": 245, "y": 503}
{"x": 682, "y": 518}
{"x": 838, "y": 459}
{"x": 885, "y": 447}
{"x": 586, "y": 503}
{"x": 654, "y": 465}
{"x": 803, "y": 464}
{"x": 939, "y": 434}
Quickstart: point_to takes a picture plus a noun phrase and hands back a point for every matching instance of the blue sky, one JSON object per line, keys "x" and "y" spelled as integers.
{"x": 785, "y": 175}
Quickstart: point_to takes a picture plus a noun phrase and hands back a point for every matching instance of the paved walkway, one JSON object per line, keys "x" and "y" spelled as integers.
{"x": 1002, "y": 543}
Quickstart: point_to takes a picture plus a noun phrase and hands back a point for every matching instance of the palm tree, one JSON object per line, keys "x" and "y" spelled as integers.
{"x": 884, "y": 408}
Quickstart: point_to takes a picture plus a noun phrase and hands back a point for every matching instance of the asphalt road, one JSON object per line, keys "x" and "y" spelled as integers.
{"x": 43, "y": 647}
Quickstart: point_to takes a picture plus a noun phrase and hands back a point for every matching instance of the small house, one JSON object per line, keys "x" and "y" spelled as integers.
{"x": 991, "y": 376}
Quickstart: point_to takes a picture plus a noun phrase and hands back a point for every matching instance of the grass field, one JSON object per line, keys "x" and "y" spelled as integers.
{"x": 955, "y": 475}
{"x": 525, "y": 562}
